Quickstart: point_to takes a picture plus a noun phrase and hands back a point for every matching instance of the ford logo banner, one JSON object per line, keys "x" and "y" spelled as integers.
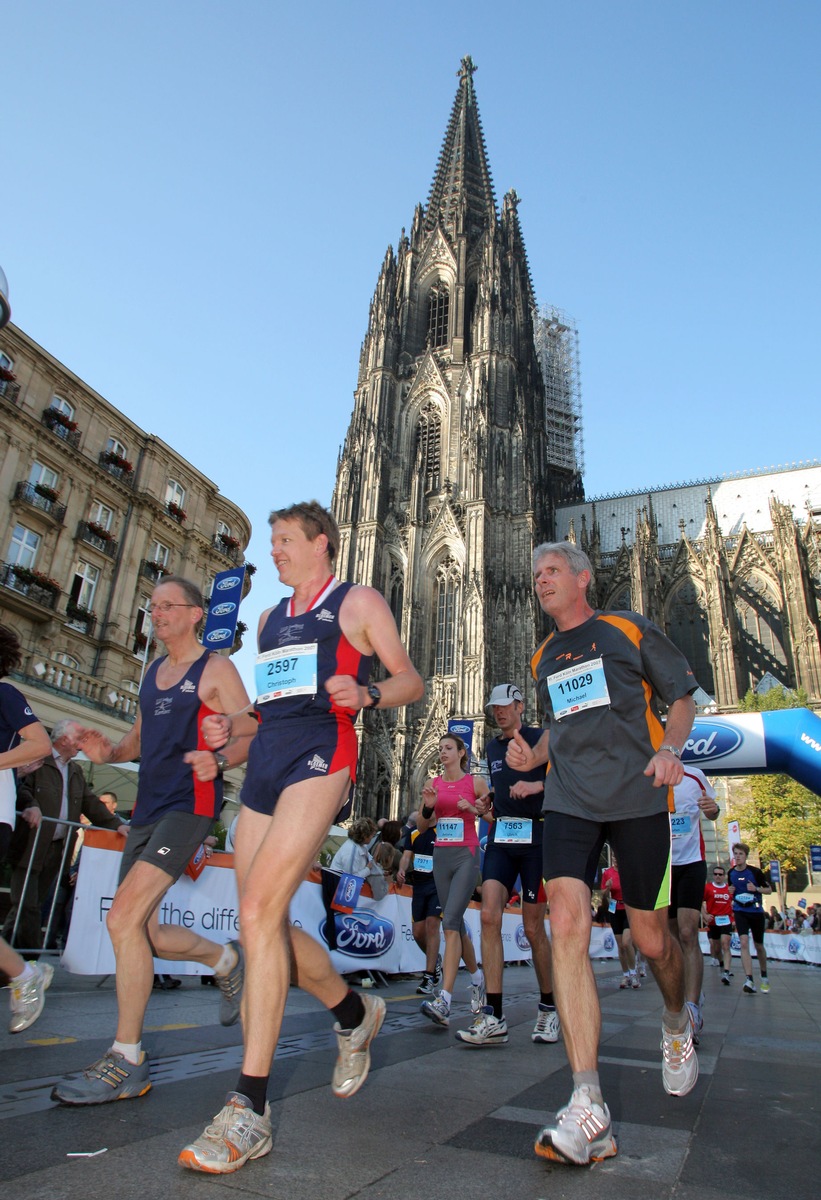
{"x": 222, "y": 610}
{"x": 219, "y": 635}
{"x": 361, "y": 934}
{"x": 521, "y": 938}
{"x": 711, "y": 741}
{"x": 225, "y": 585}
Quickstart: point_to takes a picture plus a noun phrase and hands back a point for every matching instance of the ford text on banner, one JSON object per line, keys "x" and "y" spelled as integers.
{"x": 223, "y": 609}
{"x": 463, "y": 729}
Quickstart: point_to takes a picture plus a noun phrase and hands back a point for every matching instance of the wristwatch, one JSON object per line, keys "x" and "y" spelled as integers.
{"x": 221, "y": 761}
{"x": 672, "y": 749}
{"x": 375, "y": 695}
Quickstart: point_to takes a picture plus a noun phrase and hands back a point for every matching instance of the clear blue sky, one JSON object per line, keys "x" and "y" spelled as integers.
{"x": 197, "y": 198}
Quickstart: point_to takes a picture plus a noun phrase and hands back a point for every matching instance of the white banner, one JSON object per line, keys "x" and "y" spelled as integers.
{"x": 377, "y": 935}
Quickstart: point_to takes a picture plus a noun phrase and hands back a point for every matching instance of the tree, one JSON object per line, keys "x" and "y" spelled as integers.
{"x": 782, "y": 817}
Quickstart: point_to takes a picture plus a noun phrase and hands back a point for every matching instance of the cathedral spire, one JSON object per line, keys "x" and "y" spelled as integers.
{"x": 462, "y": 189}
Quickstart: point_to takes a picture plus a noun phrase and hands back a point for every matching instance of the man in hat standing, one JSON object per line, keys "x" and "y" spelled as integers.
{"x": 514, "y": 851}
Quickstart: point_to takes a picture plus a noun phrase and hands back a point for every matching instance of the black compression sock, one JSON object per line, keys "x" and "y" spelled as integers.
{"x": 254, "y": 1088}
{"x": 494, "y": 999}
{"x": 350, "y": 1012}
{"x": 547, "y": 998}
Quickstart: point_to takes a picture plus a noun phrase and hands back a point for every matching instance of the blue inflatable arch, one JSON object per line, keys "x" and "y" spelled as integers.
{"x": 785, "y": 742}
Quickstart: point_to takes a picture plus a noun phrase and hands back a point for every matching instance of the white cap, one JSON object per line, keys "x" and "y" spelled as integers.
{"x": 504, "y": 693}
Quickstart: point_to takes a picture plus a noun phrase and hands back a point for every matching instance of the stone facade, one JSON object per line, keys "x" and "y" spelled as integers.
{"x": 96, "y": 510}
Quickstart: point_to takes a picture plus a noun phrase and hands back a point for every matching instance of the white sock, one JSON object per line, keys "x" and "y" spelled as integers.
{"x": 477, "y": 979}
{"x": 446, "y": 996}
{"x": 227, "y": 962}
{"x": 26, "y": 974}
{"x": 131, "y": 1051}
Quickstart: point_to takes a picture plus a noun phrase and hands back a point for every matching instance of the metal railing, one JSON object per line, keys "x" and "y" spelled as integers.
{"x": 56, "y": 909}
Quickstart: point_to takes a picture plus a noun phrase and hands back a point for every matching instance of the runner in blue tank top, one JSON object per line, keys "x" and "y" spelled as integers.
{"x": 179, "y": 795}
{"x": 311, "y": 680}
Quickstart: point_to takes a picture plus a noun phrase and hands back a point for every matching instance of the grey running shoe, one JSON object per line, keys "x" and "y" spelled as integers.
{"x": 486, "y": 1030}
{"x": 111, "y": 1078}
{"x": 230, "y": 986}
{"x": 354, "y": 1061}
{"x": 725, "y": 978}
{"x": 679, "y": 1065}
{"x": 547, "y": 1025}
{"x": 477, "y": 996}
{"x": 696, "y": 1020}
{"x": 436, "y": 1010}
{"x": 427, "y": 985}
{"x": 582, "y": 1133}
{"x": 28, "y": 998}
{"x": 749, "y": 986}
{"x": 236, "y": 1134}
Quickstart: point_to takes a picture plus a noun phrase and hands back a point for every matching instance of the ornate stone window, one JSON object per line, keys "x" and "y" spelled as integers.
{"x": 438, "y": 310}
{"x": 396, "y": 593}
{"x": 689, "y": 631}
{"x": 447, "y": 597}
{"x": 429, "y": 446}
{"x": 762, "y": 634}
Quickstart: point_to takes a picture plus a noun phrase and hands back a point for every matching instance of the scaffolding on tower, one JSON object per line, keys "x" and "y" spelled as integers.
{"x": 557, "y": 345}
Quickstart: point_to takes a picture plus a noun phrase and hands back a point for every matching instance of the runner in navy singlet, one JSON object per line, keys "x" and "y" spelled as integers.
{"x": 311, "y": 678}
{"x": 179, "y": 795}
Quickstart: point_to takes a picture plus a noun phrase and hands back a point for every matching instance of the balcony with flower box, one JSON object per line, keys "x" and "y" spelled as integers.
{"x": 9, "y": 387}
{"x": 153, "y": 570}
{"x": 114, "y": 464}
{"x": 62, "y": 426}
{"x": 43, "y": 498}
{"x": 176, "y": 513}
{"x": 98, "y": 536}
{"x": 32, "y": 585}
{"x": 229, "y": 546}
{"x": 80, "y": 619}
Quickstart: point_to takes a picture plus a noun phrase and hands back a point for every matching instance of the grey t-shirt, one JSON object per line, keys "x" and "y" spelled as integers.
{"x": 600, "y": 685}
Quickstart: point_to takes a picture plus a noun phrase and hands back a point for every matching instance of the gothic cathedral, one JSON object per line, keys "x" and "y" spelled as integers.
{"x": 445, "y": 481}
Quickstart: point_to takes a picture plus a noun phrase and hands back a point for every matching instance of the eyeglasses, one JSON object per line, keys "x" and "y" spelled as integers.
{"x": 718, "y": 872}
{"x": 165, "y": 607}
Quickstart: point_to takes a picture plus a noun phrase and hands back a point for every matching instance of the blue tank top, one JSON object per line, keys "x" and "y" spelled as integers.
{"x": 335, "y": 655}
{"x": 171, "y": 726}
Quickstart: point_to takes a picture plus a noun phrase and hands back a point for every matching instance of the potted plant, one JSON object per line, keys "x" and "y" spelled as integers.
{"x": 228, "y": 541}
{"x": 37, "y": 578}
{"x": 112, "y": 459}
{"x": 174, "y": 510}
{"x": 48, "y": 493}
{"x": 56, "y": 417}
{"x": 99, "y": 531}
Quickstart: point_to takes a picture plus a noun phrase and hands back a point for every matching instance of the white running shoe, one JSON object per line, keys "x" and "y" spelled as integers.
{"x": 679, "y": 1065}
{"x": 437, "y": 1010}
{"x": 354, "y": 1061}
{"x": 486, "y": 1030}
{"x": 27, "y": 998}
{"x": 582, "y": 1133}
{"x": 547, "y": 1025}
{"x": 236, "y": 1134}
{"x": 696, "y": 1020}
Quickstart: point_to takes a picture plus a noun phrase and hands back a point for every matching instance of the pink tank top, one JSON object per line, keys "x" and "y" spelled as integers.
{"x": 448, "y": 792}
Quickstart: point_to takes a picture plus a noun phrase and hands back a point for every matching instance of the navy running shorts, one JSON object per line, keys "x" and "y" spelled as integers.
{"x": 290, "y": 752}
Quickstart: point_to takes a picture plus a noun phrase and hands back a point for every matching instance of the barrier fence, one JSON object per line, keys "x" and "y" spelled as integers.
{"x": 377, "y": 936}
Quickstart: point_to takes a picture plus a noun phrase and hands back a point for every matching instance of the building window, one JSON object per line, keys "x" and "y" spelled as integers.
{"x": 175, "y": 493}
{"x": 223, "y": 530}
{"x": 66, "y": 660}
{"x": 396, "y": 594}
{"x": 62, "y": 406}
{"x": 24, "y": 546}
{"x": 689, "y": 630}
{"x": 429, "y": 447}
{"x": 762, "y": 633}
{"x": 43, "y": 476}
{"x": 438, "y": 307}
{"x": 6, "y": 364}
{"x": 158, "y": 554}
{"x": 448, "y": 585}
{"x": 84, "y": 586}
{"x": 113, "y": 446}
{"x": 100, "y": 514}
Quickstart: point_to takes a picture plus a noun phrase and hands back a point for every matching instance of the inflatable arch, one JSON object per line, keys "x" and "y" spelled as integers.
{"x": 784, "y": 742}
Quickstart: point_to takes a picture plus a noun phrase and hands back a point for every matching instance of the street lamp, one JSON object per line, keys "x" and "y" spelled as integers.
{"x": 5, "y": 307}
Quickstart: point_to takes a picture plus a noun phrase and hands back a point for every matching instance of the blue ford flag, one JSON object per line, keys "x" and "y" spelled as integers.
{"x": 464, "y": 730}
{"x": 223, "y": 610}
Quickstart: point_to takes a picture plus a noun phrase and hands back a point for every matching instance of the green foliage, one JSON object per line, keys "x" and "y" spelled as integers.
{"x": 775, "y": 698}
{"x": 783, "y": 819}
